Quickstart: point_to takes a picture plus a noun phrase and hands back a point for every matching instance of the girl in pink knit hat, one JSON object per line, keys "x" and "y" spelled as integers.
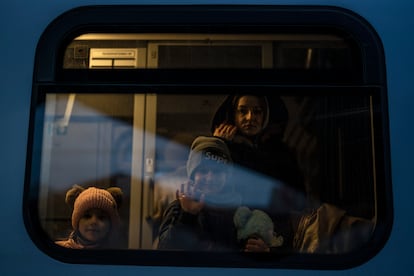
{"x": 95, "y": 218}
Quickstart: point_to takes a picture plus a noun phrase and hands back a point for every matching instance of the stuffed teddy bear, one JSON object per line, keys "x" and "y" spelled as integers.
{"x": 255, "y": 224}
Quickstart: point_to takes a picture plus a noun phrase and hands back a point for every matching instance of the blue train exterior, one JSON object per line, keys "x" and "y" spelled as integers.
{"x": 23, "y": 24}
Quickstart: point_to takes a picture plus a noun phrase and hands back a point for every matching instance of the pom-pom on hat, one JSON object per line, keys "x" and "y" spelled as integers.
{"x": 210, "y": 151}
{"x": 83, "y": 200}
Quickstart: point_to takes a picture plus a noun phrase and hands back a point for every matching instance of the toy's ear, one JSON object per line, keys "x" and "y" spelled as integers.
{"x": 117, "y": 195}
{"x": 241, "y": 217}
{"x": 72, "y": 194}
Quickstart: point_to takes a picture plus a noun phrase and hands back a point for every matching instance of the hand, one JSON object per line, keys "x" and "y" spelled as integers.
{"x": 256, "y": 245}
{"x": 189, "y": 203}
{"x": 225, "y": 131}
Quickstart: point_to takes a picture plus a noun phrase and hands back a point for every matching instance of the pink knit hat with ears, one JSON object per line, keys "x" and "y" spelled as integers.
{"x": 95, "y": 198}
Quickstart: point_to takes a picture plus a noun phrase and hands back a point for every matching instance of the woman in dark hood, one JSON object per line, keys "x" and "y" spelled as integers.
{"x": 266, "y": 171}
{"x": 255, "y": 137}
{"x": 241, "y": 119}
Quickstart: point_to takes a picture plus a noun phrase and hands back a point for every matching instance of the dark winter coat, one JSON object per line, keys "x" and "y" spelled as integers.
{"x": 268, "y": 158}
{"x": 210, "y": 230}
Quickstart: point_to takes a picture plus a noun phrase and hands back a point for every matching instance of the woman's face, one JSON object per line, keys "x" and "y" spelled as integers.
{"x": 249, "y": 115}
{"x": 94, "y": 225}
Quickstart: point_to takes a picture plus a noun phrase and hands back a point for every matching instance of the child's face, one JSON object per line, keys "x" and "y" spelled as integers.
{"x": 94, "y": 225}
{"x": 210, "y": 180}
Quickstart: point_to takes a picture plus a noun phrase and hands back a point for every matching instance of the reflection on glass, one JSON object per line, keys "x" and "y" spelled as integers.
{"x": 141, "y": 143}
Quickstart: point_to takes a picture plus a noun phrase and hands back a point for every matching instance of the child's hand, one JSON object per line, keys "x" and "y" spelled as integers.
{"x": 256, "y": 245}
{"x": 189, "y": 201}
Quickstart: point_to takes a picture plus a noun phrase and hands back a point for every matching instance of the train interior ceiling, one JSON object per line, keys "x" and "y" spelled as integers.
{"x": 139, "y": 141}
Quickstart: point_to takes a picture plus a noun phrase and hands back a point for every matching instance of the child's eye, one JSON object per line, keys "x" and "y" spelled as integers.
{"x": 102, "y": 217}
{"x": 202, "y": 170}
{"x": 87, "y": 215}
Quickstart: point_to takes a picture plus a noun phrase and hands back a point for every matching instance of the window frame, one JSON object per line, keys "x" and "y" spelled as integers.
{"x": 49, "y": 75}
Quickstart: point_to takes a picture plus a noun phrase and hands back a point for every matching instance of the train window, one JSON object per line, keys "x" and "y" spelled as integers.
{"x": 129, "y": 51}
{"x": 209, "y": 137}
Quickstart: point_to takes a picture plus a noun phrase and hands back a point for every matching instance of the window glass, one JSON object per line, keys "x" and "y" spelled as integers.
{"x": 131, "y": 51}
{"x": 141, "y": 143}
